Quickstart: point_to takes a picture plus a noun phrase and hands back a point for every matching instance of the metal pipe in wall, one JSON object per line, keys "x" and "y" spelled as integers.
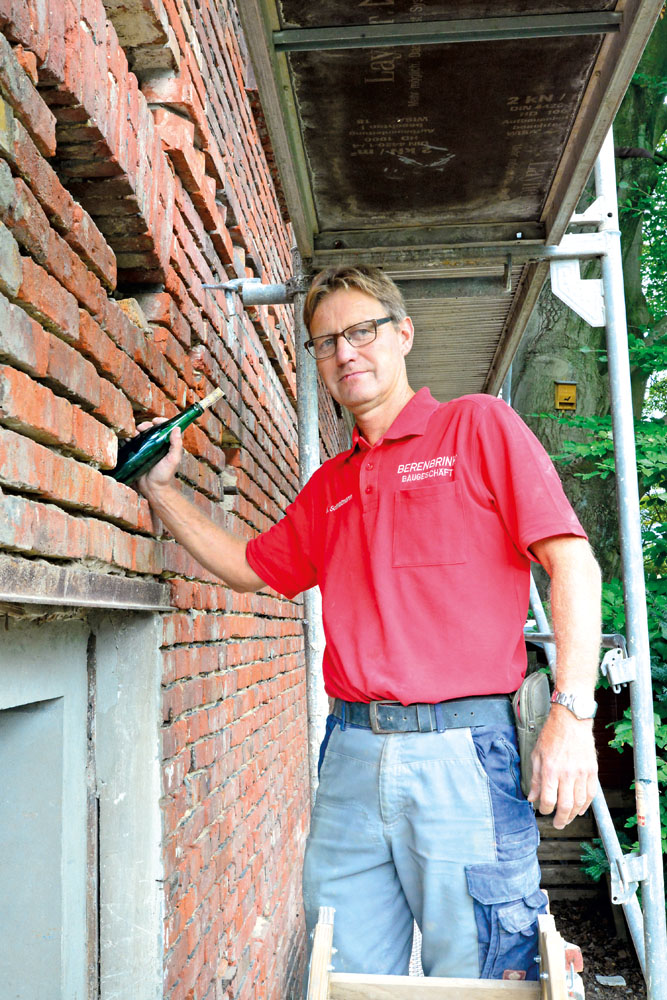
{"x": 309, "y": 461}
{"x": 627, "y": 495}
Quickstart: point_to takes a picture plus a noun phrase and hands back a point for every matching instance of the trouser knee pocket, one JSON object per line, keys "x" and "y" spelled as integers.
{"x": 507, "y": 900}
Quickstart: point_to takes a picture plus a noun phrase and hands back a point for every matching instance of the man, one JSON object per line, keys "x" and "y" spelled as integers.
{"x": 420, "y": 538}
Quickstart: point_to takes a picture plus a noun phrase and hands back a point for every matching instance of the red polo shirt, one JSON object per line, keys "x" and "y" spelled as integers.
{"x": 420, "y": 545}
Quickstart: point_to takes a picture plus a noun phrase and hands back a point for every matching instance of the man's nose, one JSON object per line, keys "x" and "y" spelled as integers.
{"x": 344, "y": 350}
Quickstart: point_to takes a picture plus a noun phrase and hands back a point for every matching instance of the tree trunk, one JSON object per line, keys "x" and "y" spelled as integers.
{"x": 559, "y": 346}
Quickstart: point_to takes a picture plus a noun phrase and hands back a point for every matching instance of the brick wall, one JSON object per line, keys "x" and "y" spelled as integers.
{"x": 134, "y": 168}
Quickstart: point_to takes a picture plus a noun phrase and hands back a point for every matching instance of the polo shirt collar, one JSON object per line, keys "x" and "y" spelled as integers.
{"x": 412, "y": 420}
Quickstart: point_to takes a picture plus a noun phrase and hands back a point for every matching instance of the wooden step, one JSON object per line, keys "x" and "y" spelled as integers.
{"x": 323, "y": 984}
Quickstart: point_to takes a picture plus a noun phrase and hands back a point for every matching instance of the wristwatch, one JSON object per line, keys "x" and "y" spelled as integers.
{"x": 580, "y": 706}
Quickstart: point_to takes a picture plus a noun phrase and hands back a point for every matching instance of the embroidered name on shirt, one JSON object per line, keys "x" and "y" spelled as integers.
{"x": 340, "y": 503}
{"x": 443, "y": 465}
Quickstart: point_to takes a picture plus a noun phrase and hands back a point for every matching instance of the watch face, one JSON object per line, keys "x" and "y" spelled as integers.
{"x": 584, "y": 709}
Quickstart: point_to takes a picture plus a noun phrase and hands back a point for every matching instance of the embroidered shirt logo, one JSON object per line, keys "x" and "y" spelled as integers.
{"x": 340, "y": 503}
{"x": 442, "y": 465}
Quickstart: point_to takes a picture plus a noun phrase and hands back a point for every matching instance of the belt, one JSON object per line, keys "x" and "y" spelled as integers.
{"x": 393, "y": 717}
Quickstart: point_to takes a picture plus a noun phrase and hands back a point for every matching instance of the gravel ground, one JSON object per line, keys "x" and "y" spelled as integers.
{"x": 590, "y": 925}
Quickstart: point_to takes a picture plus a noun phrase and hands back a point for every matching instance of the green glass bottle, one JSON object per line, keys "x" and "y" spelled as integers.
{"x": 139, "y": 454}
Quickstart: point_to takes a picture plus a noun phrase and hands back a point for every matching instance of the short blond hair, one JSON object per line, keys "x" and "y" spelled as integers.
{"x": 370, "y": 280}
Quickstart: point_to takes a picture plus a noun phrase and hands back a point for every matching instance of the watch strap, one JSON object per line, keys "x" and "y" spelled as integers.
{"x": 580, "y": 706}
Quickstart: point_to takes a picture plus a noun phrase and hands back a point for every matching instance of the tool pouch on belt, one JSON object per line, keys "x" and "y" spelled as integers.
{"x": 531, "y": 705}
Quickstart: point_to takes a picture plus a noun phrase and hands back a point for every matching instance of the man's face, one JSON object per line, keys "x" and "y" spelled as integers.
{"x": 361, "y": 378}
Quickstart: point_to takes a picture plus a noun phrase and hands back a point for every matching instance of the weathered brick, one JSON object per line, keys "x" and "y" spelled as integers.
{"x": 26, "y": 22}
{"x": 85, "y": 238}
{"x": 30, "y": 467}
{"x": 159, "y": 307}
{"x": 115, "y": 409}
{"x": 45, "y": 299}
{"x": 28, "y": 60}
{"x": 41, "y": 529}
{"x": 7, "y": 192}
{"x": 68, "y": 371}
{"x": 92, "y": 440}
{"x": 11, "y": 270}
{"x": 28, "y": 222}
{"x": 23, "y": 342}
{"x": 19, "y": 91}
{"x": 19, "y": 150}
{"x": 125, "y": 505}
{"x": 33, "y": 409}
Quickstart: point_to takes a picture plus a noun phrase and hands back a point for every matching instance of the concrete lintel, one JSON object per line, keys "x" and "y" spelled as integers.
{"x": 27, "y": 581}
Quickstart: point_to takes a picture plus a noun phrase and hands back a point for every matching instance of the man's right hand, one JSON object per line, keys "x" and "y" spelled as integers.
{"x": 162, "y": 474}
{"x": 212, "y": 546}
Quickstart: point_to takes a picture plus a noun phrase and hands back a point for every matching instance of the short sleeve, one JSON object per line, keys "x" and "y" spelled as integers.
{"x": 281, "y": 555}
{"x": 522, "y": 480}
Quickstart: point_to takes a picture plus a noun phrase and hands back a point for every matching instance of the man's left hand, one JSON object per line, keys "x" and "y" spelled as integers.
{"x": 564, "y": 767}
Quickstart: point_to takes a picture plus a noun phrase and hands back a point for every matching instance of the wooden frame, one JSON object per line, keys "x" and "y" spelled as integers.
{"x": 323, "y": 984}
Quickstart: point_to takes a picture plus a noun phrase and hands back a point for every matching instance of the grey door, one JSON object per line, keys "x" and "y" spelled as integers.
{"x": 43, "y": 810}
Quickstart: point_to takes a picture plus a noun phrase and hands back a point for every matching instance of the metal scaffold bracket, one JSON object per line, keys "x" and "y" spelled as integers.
{"x": 254, "y": 293}
{"x": 618, "y": 668}
{"x": 626, "y": 873}
{"x": 583, "y": 295}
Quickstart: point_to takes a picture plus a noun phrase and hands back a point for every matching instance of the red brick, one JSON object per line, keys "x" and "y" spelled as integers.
{"x": 33, "y": 409}
{"x": 41, "y": 529}
{"x": 92, "y": 440}
{"x": 36, "y": 411}
{"x": 176, "y": 356}
{"x": 30, "y": 227}
{"x": 205, "y": 203}
{"x": 85, "y": 238}
{"x": 28, "y": 466}
{"x": 98, "y": 346}
{"x": 137, "y": 554}
{"x": 160, "y": 307}
{"x": 25, "y": 21}
{"x": 125, "y": 505}
{"x": 67, "y": 370}
{"x": 100, "y": 539}
{"x": 20, "y": 151}
{"x": 28, "y": 60}
{"x": 68, "y": 268}
{"x": 45, "y": 299}
{"x": 115, "y": 409}
{"x": 28, "y": 223}
{"x": 113, "y": 362}
{"x": 19, "y": 91}
{"x": 177, "y": 135}
{"x": 23, "y": 342}
{"x": 68, "y": 217}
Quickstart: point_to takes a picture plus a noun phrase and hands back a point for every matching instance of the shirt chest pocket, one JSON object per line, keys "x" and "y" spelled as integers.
{"x": 429, "y": 526}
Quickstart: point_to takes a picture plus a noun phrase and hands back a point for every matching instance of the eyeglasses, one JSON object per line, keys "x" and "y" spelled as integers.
{"x": 358, "y": 336}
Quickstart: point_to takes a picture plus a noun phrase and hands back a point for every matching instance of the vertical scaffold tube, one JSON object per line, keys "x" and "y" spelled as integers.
{"x": 627, "y": 494}
{"x": 309, "y": 461}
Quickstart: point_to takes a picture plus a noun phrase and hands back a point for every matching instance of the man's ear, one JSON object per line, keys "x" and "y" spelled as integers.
{"x": 406, "y": 333}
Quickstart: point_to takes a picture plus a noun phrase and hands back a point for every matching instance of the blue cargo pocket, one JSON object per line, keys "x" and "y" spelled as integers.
{"x": 332, "y": 722}
{"x": 507, "y": 899}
